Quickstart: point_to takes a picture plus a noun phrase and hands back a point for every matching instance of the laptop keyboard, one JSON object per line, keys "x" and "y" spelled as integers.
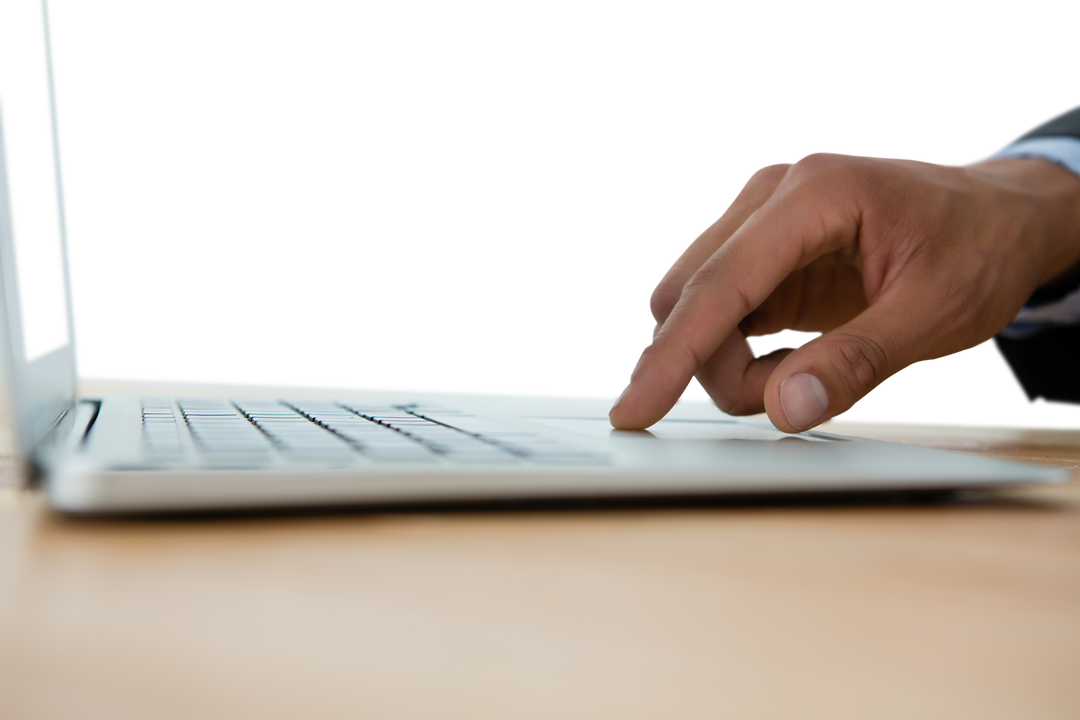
{"x": 252, "y": 432}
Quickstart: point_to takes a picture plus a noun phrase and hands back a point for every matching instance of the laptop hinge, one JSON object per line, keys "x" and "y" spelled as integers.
{"x": 64, "y": 437}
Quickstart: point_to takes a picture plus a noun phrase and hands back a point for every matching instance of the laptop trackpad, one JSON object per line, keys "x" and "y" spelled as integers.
{"x": 676, "y": 429}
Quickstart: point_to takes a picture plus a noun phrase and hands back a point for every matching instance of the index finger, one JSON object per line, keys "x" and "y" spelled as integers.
{"x": 788, "y": 232}
{"x": 757, "y": 191}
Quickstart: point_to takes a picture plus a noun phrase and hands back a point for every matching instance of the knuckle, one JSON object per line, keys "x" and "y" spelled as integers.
{"x": 863, "y": 363}
{"x": 768, "y": 177}
{"x": 736, "y": 406}
{"x": 726, "y": 406}
{"x": 713, "y": 266}
{"x": 814, "y": 170}
{"x": 816, "y": 163}
{"x": 714, "y": 273}
{"x": 692, "y": 357}
{"x": 735, "y": 400}
{"x": 663, "y": 300}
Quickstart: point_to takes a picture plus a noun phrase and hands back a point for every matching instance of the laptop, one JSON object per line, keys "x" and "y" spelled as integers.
{"x": 122, "y": 454}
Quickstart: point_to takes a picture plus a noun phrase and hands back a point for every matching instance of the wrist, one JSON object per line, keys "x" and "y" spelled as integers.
{"x": 1047, "y": 203}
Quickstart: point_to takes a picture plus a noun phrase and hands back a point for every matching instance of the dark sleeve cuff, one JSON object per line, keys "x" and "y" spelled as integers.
{"x": 1047, "y": 364}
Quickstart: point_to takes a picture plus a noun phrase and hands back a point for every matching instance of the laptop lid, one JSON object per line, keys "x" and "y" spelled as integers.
{"x": 36, "y": 312}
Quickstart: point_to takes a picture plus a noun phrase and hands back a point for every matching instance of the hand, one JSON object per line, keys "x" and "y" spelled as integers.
{"x": 893, "y": 261}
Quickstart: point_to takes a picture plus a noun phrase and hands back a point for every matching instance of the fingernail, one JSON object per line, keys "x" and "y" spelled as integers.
{"x": 804, "y": 400}
{"x": 619, "y": 401}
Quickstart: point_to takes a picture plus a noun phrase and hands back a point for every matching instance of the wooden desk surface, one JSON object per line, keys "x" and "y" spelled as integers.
{"x": 965, "y": 610}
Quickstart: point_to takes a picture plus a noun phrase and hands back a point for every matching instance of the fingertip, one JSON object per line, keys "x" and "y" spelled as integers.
{"x": 658, "y": 380}
{"x": 621, "y": 418}
{"x": 631, "y": 412}
{"x": 614, "y": 416}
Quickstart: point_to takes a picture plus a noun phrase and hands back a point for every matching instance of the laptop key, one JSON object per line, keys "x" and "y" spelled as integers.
{"x": 445, "y": 441}
{"x": 374, "y": 441}
{"x": 296, "y": 436}
{"x": 223, "y": 436}
{"x": 160, "y": 432}
{"x": 525, "y": 444}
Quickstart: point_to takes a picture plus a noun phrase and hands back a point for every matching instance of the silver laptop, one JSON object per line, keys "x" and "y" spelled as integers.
{"x": 143, "y": 454}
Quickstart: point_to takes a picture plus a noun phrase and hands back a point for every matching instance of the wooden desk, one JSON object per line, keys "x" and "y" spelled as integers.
{"x": 967, "y": 610}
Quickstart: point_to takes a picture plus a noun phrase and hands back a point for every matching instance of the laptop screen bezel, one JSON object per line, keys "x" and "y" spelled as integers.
{"x": 43, "y": 390}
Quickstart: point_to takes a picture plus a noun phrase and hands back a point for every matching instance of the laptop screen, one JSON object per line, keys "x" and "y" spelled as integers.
{"x": 34, "y": 213}
{"x": 40, "y": 357}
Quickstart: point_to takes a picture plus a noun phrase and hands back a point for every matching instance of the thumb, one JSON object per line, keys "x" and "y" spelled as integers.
{"x": 831, "y": 373}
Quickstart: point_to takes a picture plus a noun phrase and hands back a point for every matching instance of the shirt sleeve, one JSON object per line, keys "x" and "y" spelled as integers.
{"x": 1063, "y": 150}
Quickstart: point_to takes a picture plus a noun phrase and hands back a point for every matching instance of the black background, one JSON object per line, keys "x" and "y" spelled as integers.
{"x": 347, "y": 198}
